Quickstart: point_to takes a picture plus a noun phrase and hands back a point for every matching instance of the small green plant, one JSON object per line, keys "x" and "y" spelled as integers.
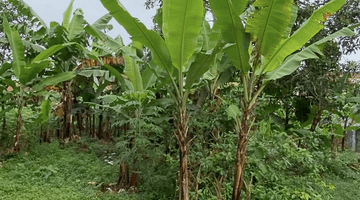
{"x": 46, "y": 171}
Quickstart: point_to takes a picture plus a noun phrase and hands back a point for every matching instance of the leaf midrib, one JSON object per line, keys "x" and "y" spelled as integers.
{"x": 266, "y": 24}
{"x": 235, "y": 34}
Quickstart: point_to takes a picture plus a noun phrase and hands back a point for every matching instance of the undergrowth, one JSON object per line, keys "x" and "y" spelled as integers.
{"x": 49, "y": 172}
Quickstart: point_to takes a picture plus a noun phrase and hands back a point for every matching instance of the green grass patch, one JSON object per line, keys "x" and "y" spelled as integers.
{"x": 50, "y": 172}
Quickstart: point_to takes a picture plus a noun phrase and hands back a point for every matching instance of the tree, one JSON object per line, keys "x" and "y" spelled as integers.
{"x": 74, "y": 29}
{"x": 25, "y": 70}
{"x": 271, "y": 46}
{"x": 21, "y": 16}
{"x": 181, "y": 26}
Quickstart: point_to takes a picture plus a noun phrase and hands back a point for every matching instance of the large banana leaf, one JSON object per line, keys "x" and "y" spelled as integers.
{"x": 294, "y": 15}
{"x": 30, "y": 72}
{"x": 140, "y": 33}
{"x": 293, "y": 62}
{"x": 149, "y": 77}
{"x": 117, "y": 74}
{"x": 37, "y": 48}
{"x": 76, "y": 25}
{"x": 269, "y": 23}
{"x": 103, "y": 22}
{"x": 51, "y": 51}
{"x": 312, "y": 26}
{"x": 201, "y": 64}
{"x": 4, "y": 68}
{"x": 132, "y": 71}
{"x": 110, "y": 42}
{"x": 232, "y": 31}
{"x": 181, "y": 27}
{"x": 53, "y": 80}
{"x": 67, "y": 15}
{"x": 239, "y": 6}
{"x": 16, "y": 47}
{"x": 205, "y": 33}
{"x": 44, "y": 111}
{"x": 93, "y": 72}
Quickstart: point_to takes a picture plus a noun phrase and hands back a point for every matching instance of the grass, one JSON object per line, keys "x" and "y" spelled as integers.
{"x": 346, "y": 181}
{"x": 49, "y": 172}
{"x": 345, "y": 189}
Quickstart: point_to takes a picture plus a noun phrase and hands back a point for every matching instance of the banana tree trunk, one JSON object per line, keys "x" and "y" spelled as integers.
{"x": 108, "y": 130}
{"x": 100, "y": 133}
{"x": 181, "y": 135}
{"x": 18, "y": 128}
{"x": 243, "y": 129}
{"x": 19, "y": 121}
{"x": 93, "y": 126}
{"x": 80, "y": 124}
{"x": 68, "y": 129}
{"x": 4, "y": 121}
{"x": 343, "y": 144}
{"x": 87, "y": 129}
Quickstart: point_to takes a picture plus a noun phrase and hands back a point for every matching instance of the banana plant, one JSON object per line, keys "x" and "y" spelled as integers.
{"x": 24, "y": 70}
{"x": 265, "y": 50}
{"x": 173, "y": 55}
{"x": 73, "y": 29}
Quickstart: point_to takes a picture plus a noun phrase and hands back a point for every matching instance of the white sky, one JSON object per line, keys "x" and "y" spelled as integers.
{"x": 52, "y": 10}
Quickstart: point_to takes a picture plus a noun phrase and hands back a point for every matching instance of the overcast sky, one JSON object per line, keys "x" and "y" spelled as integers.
{"x": 52, "y": 10}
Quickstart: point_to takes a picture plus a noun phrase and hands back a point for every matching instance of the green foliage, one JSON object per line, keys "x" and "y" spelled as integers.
{"x": 281, "y": 170}
{"x": 29, "y": 128}
{"x": 47, "y": 172}
{"x": 268, "y": 33}
{"x": 181, "y": 27}
{"x": 141, "y": 34}
{"x": 233, "y": 33}
{"x": 312, "y": 26}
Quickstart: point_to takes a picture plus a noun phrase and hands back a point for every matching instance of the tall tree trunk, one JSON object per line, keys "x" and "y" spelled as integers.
{"x": 316, "y": 120}
{"x": 345, "y": 135}
{"x": 68, "y": 129}
{"x": 181, "y": 135}
{"x": 87, "y": 130}
{"x": 243, "y": 128}
{"x": 4, "y": 120}
{"x": 79, "y": 121}
{"x": 93, "y": 126}
{"x": 100, "y": 134}
{"x": 124, "y": 179}
{"x": 19, "y": 121}
{"x": 108, "y": 131}
{"x": 18, "y": 127}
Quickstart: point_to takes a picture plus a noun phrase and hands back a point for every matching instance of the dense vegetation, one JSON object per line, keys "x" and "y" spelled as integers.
{"x": 238, "y": 107}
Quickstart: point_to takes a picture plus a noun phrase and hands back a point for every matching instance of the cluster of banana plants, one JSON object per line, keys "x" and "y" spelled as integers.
{"x": 257, "y": 38}
{"x": 52, "y": 62}
{"x": 266, "y": 49}
{"x": 254, "y": 38}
